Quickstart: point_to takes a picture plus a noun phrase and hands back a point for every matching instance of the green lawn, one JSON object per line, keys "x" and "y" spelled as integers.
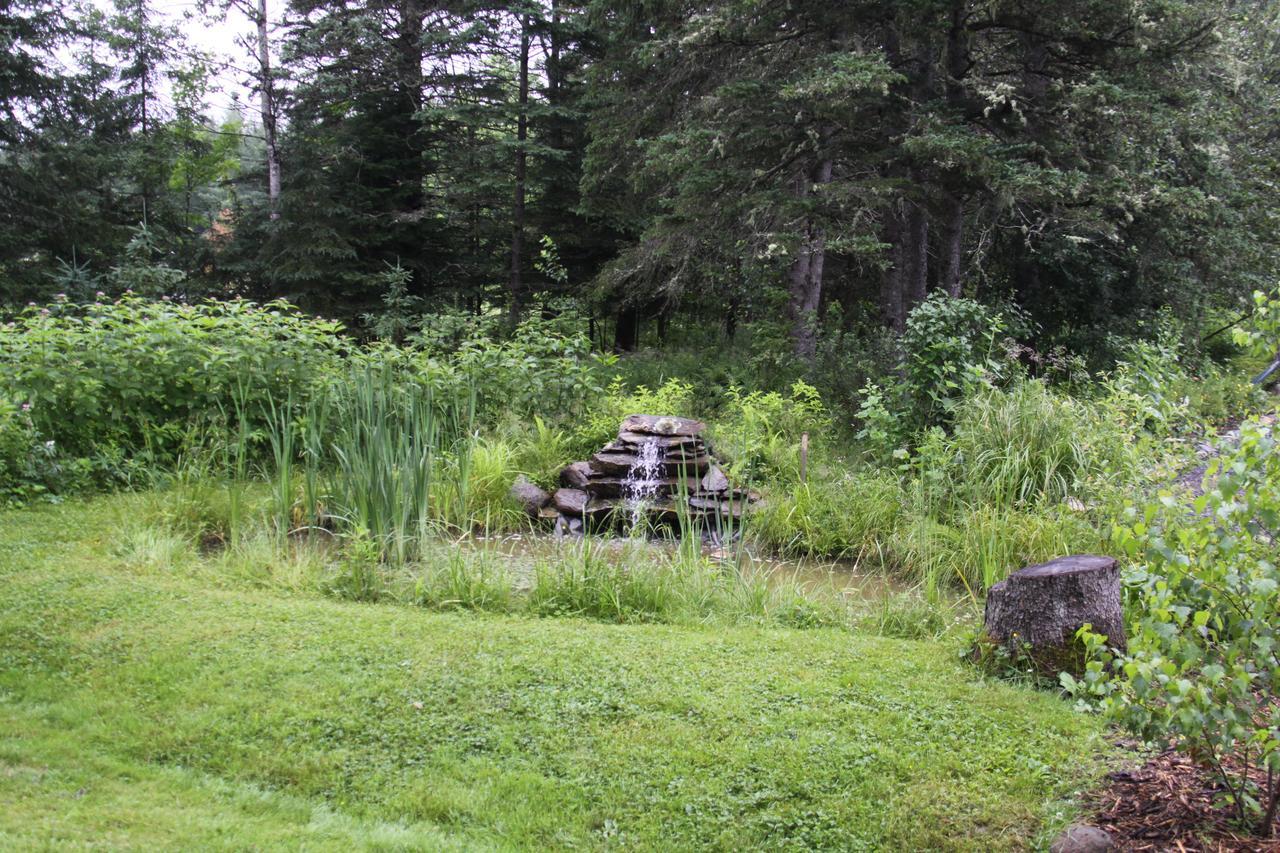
{"x": 146, "y": 707}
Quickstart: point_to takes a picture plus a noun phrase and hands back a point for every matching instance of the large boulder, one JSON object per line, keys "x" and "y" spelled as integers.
{"x": 570, "y": 501}
{"x": 531, "y": 498}
{"x": 1038, "y": 610}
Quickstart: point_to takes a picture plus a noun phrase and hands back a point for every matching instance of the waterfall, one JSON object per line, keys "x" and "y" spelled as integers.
{"x": 643, "y": 480}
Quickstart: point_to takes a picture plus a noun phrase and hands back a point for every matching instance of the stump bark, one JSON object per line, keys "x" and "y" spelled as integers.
{"x": 1042, "y": 607}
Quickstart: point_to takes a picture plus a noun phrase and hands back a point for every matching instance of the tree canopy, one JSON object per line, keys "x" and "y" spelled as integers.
{"x": 816, "y": 166}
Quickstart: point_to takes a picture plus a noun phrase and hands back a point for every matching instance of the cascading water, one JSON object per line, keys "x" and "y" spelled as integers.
{"x": 643, "y": 480}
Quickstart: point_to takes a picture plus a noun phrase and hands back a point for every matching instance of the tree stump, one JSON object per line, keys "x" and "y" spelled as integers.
{"x": 1037, "y": 610}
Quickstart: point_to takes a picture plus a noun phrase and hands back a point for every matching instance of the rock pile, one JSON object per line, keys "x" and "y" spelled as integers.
{"x": 657, "y": 467}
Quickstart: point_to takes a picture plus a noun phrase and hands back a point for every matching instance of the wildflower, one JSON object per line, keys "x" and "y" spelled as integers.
{"x": 44, "y": 312}
{"x": 26, "y": 407}
{"x": 60, "y": 297}
{"x": 48, "y": 445}
{"x": 99, "y": 294}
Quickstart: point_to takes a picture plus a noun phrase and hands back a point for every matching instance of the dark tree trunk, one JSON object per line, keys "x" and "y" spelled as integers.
{"x": 626, "y": 331}
{"x": 915, "y": 256}
{"x": 515, "y": 282}
{"x": 950, "y": 249}
{"x": 1039, "y": 609}
{"x": 891, "y": 312}
{"x": 805, "y": 276}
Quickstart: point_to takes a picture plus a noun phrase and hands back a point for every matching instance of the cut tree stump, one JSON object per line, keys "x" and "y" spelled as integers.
{"x": 1037, "y": 610}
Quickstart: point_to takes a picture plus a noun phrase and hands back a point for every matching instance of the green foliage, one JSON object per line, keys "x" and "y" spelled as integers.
{"x": 758, "y": 433}
{"x": 976, "y": 548}
{"x": 852, "y": 516}
{"x": 599, "y": 424}
{"x": 453, "y": 579}
{"x": 541, "y": 452}
{"x": 1024, "y": 446}
{"x": 882, "y": 433}
{"x": 26, "y": 465}
{"x": 543, "y": 367}
{"x": 949, "y": 345}
{"x": 133, "y": 374}
{"x": 359, "y": 575}
{"x": 1201, "y": 672}
{"x": 400, "y": 309}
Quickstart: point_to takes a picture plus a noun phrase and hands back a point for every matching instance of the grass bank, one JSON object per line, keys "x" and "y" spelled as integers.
{"x": 145, "y": 707}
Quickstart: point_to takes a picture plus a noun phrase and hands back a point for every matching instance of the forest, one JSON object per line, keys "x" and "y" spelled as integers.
{"x": 534, "y": 424}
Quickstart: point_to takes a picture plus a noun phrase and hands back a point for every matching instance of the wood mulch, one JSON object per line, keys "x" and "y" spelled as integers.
{"x": 1170, "y": 803}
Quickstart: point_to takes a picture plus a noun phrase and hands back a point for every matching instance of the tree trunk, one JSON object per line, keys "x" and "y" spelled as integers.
{"x": 891, "y": 312}
{"x": 915, "y": 256}
{"x": 626, "y": 330}
{"x": 1038, "y": 610}
{"x": 266, "y": 93}
{"x": 950, "y": 250}
{"x": 515, "y": 283}
{"x": 805, "y": 277}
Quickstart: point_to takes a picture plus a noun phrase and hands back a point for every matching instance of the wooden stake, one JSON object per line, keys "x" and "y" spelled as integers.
{"x": 804, "y": 457}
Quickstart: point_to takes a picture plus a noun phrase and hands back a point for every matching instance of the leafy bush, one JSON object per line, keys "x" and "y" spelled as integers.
{"x": 948, "y": 344}
{"x": 22, "y": 475}
{"x": 132, "y": 374}
{"x": 1202, "y": 670}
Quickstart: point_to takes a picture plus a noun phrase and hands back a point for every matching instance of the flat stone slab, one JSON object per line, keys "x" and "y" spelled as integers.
{"x": 662, "y": 425}
{"x": 715, "y": 481}
{"x": 570, "y": 501}
{"x": 633, "y": 441}
{"x": 619, "y": 462}
{"x": 611, "y": 487}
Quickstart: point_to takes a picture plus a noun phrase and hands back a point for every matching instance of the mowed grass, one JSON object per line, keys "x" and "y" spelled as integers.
{"x": 142, "y": 707}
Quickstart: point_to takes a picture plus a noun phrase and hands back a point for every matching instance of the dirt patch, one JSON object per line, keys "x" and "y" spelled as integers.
{"x": 1170, "y": 803}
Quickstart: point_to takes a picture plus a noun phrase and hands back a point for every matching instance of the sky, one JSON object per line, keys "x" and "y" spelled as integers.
{"x": 219, "y": 38}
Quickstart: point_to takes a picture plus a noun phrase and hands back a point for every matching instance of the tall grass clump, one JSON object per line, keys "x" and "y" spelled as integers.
{"x": 1023, "y": 446}
{"x": 385, "y": 446}
{"x": 472, "y": 485}
{"x": 586, "y": 582}
{"x": 1012, "y": 485}
{"x": 850, "y": 517}
{"x": 450, "y": 578}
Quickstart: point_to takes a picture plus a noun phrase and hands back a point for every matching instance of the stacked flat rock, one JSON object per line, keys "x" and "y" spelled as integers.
{"x": 594, "y": 488}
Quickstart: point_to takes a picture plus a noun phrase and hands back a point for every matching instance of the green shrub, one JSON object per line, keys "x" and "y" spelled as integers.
{"x": 25, "y": 463}
{"x": 544, "y": 366}
{"x": 1201, "y": 671}
{"x": 133, "y": 374}
{"x": 948, "y": 344}
{"x": 359, "y": 575}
